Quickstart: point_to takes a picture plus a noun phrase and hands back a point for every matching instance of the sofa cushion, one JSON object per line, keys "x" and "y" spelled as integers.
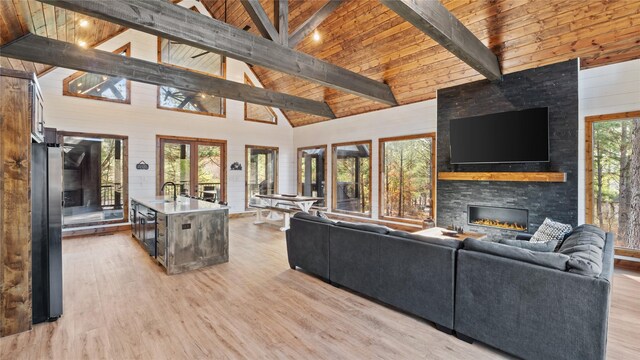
{"x": 584, "y": 248}
{"x": 452, "y": 243}
{"x": 378, "y": 229}
{"x": 550, "y": 230}
{"x": 548, "y": 246}
{"x": 546, "y": 259}
{"x": 305, "y": 216}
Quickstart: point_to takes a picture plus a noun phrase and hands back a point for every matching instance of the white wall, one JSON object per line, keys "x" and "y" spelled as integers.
{"x": 141, "y": 121}
{"x": 402, "y": 120}
{"x": 605, "y": 90}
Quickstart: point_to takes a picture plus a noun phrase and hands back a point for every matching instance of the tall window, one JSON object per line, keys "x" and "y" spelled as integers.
{"x": 406, "y": 177}
{"x": 613, "y": 176}
{"x": 352, "y": 178}
{"x": 259, "y": 113}
{"x": 196, "y": 166}
{"x": 173, "y": 53}
{"x": 98, "y": 86}
{"x": 94, "y": 180}
{"x": 261, "y": 172}
{"x": 312, "y": 172}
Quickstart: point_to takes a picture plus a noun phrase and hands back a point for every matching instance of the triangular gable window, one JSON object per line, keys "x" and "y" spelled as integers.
{"x": 98, "y": 86}
{"x": 259, "y": 113}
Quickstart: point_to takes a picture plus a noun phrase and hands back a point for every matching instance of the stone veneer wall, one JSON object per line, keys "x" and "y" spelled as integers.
{"x": 553, "y": 86}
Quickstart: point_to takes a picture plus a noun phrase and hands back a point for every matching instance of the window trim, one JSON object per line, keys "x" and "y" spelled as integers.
{"x": 246, "y": 171}
{"x": 126, "y": 48}
{"x": 248, "y": 81}
{"x": 381, "y": 143}
{"x": 223, "y": 76}
{"x": 125, "y": 174}
{"x": 299, "y": 168}
{"x": 334, "y": 164}
{"x": 193, "y": 158}
{"x": 588, "y": 168}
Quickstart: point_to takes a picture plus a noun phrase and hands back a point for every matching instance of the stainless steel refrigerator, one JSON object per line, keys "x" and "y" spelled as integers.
{"x": 46, "y": 232}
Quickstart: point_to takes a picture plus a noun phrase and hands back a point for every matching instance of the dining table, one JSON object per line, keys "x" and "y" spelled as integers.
{"x": 276, "y": 201}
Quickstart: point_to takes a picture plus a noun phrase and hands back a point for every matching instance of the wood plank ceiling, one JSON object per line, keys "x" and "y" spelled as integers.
{"x": 19, "y": 17}
{"x": 366, "y": 37}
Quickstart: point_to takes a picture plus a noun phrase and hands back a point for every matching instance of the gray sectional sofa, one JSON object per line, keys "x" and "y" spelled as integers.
{"x": 540, "y": 304}
{"x": 412, "y": 273}
{"x": 537, "y": 305}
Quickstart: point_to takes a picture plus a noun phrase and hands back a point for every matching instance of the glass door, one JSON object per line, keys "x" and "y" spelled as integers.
{"x": 210, "y": 168}
{"x": 196, "y": 166}
{"x": 176, "y": 166}
{"x": 261, "y": 173}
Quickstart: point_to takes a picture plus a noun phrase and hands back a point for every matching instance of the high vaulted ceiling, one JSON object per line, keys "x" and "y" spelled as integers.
{"x": 366, "y": 37}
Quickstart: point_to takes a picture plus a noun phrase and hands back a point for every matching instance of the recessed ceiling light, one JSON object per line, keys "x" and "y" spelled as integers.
{"x": 316, "y": 36}
{"x": 82, "y": 43}
{"x": 203, "y": 96}
{"x": 104, "y": 78}
{"x": 84, "y": 23}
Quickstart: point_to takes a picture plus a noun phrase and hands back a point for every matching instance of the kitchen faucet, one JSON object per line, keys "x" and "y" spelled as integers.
{"x": 175, "y": 196}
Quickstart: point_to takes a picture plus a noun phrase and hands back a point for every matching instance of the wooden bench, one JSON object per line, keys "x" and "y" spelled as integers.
{"x": 286, "y": 214}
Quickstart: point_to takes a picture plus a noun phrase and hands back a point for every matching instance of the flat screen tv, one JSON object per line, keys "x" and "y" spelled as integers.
{"x": 508, "y": 137}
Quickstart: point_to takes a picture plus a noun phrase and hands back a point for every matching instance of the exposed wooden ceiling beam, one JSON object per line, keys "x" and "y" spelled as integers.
{"x": 282, "y": 20}
{"x": 260, "y": 19}
{"x": 313, "y": 22}
{"x": 435, "y": 20}
{"x": 173, "y": 22}
{"x": 59, "y": 53}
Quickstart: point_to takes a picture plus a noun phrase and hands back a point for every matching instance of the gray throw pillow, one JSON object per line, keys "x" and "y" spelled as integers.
{"x": 550, "y": 230}
{"x": 584, "y": 248}
{"x": 548, "y": 246}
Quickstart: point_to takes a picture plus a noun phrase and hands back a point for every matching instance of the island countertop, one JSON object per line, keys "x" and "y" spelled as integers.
{"x": 167, "y": 206}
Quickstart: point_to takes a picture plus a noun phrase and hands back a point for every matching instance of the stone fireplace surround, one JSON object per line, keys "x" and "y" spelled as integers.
{"x": 554, "y": 86}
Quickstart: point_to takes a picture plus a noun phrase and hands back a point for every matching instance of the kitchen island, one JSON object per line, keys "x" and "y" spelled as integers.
{"x": 183, "y": 234}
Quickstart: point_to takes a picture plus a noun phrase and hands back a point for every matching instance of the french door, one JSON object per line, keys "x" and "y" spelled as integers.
{"x": 196, "y": 166}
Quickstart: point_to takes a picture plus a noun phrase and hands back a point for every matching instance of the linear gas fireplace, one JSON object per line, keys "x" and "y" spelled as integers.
{"x": 498, "y": 217}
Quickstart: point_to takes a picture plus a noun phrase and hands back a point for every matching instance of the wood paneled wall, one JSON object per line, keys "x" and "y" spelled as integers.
{"x": 15, "y": 203}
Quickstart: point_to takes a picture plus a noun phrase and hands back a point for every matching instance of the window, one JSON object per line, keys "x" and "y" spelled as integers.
{"x": 406, "y": 177}
{"x": 312, "y": 172}
{"x": 613, "y": 176}
{"x": 190, "y": 58}
{"x": 261, "y": 172}
{"x": 259, "y": 113}
{"x": 187, "y": 101}
{"x": 99, "y": 87}
{"x": 196, "y": 166}
{"x": 352, "y": 178}
{"x": 94, "y": 180}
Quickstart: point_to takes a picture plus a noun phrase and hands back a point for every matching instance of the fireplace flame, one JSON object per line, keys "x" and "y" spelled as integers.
{"x": 502, "y": 225}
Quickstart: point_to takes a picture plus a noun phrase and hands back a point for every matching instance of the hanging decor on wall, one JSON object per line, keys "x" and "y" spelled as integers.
{"x": 142, "y": 165}
{"x": 236, "y": 166}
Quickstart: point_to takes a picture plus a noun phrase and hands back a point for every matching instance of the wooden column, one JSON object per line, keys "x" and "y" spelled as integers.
{"x": 15, "y": 202}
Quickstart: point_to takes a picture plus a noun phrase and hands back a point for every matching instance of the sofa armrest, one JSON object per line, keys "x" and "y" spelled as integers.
{"x": 523, "y": 236}
{"x": 529, "y": 310}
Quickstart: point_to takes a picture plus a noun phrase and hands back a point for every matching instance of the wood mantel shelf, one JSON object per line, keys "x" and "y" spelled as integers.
{"x": 504, "y": 176}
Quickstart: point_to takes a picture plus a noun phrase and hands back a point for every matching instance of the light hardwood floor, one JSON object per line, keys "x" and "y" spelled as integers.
{"x": 120, "y": 305}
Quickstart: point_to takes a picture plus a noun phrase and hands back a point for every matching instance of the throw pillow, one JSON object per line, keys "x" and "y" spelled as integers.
{"x": 550, "y": 230}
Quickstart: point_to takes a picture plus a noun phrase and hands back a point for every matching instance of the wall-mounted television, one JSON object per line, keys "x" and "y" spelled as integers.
{"x": 507, "y": 137}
